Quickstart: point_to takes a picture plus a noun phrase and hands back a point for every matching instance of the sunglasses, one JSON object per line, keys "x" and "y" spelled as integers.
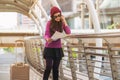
{"x": 59, "y": 15}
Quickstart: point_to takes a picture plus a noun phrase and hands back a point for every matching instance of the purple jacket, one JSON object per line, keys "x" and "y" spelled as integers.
{"x": 57, "y": 43}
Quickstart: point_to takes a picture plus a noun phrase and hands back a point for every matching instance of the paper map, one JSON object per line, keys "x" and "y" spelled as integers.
{"x": 58, "y": 35}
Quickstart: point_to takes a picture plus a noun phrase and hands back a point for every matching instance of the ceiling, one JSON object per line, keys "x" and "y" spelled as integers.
{"x": 20, "y": 6}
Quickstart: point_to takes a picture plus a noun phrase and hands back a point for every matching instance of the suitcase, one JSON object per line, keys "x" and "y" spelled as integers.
{"x": 19, "y": 71}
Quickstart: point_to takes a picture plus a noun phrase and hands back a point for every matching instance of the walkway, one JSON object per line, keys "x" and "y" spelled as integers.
{"x": 5, "y": 61}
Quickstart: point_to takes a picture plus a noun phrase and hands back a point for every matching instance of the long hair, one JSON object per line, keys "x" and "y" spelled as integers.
{"x": 55, "y": 26}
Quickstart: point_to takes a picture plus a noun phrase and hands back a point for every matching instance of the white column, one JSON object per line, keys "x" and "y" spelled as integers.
{"x": 96, "y": 24}
{"x": 42, "y": 10}
{"x": 82, "y": 15}
{"x": 37, "y": 23}
{"x": 105, "y": 4}
{"x": 55, "y": 3}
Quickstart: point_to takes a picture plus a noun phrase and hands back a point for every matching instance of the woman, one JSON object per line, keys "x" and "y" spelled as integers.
{"x": 53, "y": 52}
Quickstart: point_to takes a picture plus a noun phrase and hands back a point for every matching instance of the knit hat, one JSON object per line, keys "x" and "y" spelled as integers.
{"x": 54, "y": 10}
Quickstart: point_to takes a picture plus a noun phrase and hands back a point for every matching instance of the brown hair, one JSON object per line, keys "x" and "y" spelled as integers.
{"x": 55, "y": 26}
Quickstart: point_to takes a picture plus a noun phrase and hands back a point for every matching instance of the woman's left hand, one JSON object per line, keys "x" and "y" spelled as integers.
{"x": 63, "y": 20}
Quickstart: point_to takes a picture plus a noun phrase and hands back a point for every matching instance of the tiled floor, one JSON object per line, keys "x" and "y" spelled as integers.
{"x": 5, "y": 61}
{"x": 4, "y": 72}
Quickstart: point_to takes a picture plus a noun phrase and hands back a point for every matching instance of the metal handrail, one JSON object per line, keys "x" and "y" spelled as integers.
{"x": 78, "y": 60}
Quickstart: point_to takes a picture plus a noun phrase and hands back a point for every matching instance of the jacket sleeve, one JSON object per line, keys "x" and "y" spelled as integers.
{"x": 66, "y": 29}
{"x": 47, "y": 31}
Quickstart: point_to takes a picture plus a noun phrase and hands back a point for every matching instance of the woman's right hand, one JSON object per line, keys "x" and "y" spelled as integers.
{"x": 49, "y": 40}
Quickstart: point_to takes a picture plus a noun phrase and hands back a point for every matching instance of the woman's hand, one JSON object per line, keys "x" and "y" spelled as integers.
{"x": 49, "y": 40}
{"x": 63, "y": 20}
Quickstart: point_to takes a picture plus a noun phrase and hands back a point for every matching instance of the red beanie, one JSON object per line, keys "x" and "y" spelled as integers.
{"x": 54, "y": 10}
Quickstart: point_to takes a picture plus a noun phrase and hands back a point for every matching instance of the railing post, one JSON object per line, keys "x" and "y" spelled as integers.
{"x": 61, "y": 72}
{"x": 113, "y": 63}
{"x": 72, "y": 65}
{"x": 89, "y": 66}
{"x": 80, "y": 55}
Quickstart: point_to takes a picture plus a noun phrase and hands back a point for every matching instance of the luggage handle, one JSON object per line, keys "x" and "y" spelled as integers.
{"x": 16, "y": 45}
{"x": 20, "y": 64}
